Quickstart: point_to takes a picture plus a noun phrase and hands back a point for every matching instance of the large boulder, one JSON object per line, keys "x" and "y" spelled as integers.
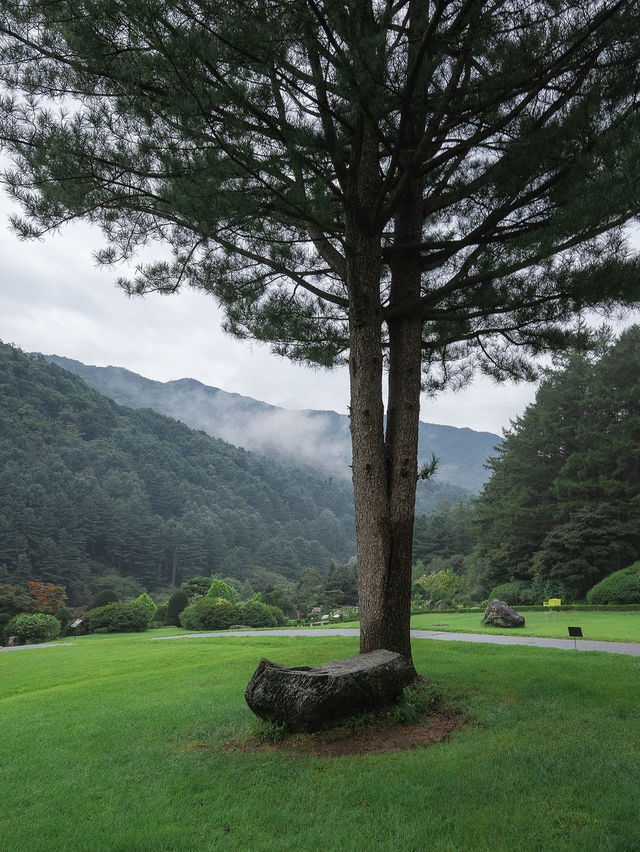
{"x": 309, "y": 699}
{"x": 499, "y": 614}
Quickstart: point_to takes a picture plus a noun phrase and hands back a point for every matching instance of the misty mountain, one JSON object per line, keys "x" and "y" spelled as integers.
{"x": 316, "y": 439}
{"x": 94, "y": 493}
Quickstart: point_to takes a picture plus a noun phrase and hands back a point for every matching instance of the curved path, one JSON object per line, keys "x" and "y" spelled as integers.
{"x": 39, "y": 645}
{"x": 630, "y": 648}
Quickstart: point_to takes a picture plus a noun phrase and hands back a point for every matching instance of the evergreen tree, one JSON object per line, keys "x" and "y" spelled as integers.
{"x": 177, "y": 602}
{"x": 424, "y": 186}
{"x": 562, "y": 505}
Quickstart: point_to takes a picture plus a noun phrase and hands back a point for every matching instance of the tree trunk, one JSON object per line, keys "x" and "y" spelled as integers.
{"x": 385, "y": 467}
{"x": 384, "y": 480}
{"x": 368, "y": 454}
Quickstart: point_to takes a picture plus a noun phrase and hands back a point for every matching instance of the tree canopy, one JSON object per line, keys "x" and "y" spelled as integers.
{"x": 422, "y": 185}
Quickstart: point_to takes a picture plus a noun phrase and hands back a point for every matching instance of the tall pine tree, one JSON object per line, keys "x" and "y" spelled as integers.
{"x": 421, "y": 186}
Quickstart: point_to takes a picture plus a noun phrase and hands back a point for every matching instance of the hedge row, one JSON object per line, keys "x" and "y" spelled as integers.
{"x": 207, "y": 613}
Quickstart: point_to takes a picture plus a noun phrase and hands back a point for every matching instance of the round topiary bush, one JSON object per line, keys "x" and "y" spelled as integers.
{"x": 254, "y": 613}
{"x": 31, "y": 628}
{"x": 106, "y": 596}
{"x": 209, "y": 614}
{"x": 621, "y": 587}
{"x": 117, "y": 618}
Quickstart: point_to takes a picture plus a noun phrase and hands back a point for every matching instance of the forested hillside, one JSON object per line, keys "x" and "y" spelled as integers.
{"x": 319, "y": 439}
{"x": 562, "y": 509}
{"x": 89, "y": 489}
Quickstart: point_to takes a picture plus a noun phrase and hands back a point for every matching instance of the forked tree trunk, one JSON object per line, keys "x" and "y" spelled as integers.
{"x": 384, "y": 471}
{"x": 384, "y": 479}
{"x": 385, "y": 466}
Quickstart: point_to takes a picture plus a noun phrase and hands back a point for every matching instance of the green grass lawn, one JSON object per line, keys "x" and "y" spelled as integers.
{"x": 613, "y": 626}
{"x": 112, "y": 744}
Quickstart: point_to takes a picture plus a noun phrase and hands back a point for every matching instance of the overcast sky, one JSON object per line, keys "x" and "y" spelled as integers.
{"x": 54, "y": 300}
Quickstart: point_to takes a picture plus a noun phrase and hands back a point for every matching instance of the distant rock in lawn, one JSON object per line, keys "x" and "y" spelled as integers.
{"x": 309, "y": 699}
{"x": 500, "y": 614}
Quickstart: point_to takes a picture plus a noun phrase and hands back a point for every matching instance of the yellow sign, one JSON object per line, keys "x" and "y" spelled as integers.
{"x": 553, "y": 602}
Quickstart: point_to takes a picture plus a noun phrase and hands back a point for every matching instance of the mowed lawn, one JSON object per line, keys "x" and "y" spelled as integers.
{"x": 116, "y": 743}
{"x": 614, "y": 626}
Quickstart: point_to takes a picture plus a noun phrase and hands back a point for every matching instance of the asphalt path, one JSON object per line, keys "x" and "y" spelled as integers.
{"x": 629, "y": 648}
{"x": 41, "y": 645}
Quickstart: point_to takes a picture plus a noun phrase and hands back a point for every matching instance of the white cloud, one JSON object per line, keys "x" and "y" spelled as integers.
{"x": 54, "y": 300}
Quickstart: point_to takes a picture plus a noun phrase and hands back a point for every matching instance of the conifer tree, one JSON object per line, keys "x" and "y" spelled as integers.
{"x": 417, "y": 186}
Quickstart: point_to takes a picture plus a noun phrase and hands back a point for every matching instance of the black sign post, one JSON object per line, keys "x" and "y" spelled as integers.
{"x": 575, "y": 633}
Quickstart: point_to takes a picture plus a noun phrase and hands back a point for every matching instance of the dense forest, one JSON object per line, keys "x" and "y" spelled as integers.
{"x": 94, "y": 494}
{"x": 562, "y": 508}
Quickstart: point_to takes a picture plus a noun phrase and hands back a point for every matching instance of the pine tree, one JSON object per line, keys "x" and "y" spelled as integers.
{"x": 562, "y": 504}
{"x": 422, "y": 186}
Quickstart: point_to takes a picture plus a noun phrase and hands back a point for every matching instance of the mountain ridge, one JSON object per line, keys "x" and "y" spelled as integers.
{"x": 310, "y": 437}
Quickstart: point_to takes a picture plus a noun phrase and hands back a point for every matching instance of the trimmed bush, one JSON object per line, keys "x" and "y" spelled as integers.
{"x": 106, "y": 596}
{"x": 621, "y": 587}
{"x": 209, "y": 614}
{"x": 117, "y": 618}
{"x": 31, "y": 628}
{"x": 254, "y": 613}
{"x": 150, "y": 608}
{"x": 220, "y": 589}
{"x": 196, "y": 586}
{"x": 177, "y": 602}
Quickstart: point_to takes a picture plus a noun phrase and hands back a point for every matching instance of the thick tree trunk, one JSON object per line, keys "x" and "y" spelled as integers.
{"x": 367, "y": 439}
{"x": 385, "y": 468}
{"x": 384, "y": 473}
{"x": 384, "y": 479}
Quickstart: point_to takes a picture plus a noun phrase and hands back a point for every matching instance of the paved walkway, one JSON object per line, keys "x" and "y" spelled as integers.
{"x": 40, "y": 645}
{"x": 629, "y": 648}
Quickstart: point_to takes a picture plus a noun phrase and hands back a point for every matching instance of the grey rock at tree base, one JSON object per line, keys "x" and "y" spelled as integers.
{"x": 500, "y": 614}
{"x": 309, "y": 699}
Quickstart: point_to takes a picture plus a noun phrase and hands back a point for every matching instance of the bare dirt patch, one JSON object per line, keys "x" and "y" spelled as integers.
{"x": 378, "y": 738}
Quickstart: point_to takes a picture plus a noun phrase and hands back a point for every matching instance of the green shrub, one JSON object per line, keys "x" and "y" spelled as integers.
{"x": 117, "y": 618}
{"x": 34, "y": 627}
{"x": 209, "y": 614}
{"x": 177, "y": 602}
{"x": 106, "y": 596}
{"x": 254, "y": 613}
{"x": 148, "y": 605}
{"x": 161, "y": 613}
{"x": 513, "y": 593}
{"x": 196, "y": 586}
{"x": 220, "y": 589}
{"x": 439, "y": 585}
{"x": 621, "y": 587}
{"x": 278, "y": 614}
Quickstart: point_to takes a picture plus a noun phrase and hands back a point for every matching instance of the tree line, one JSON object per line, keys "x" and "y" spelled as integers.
{"x": 562, "y": 508}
